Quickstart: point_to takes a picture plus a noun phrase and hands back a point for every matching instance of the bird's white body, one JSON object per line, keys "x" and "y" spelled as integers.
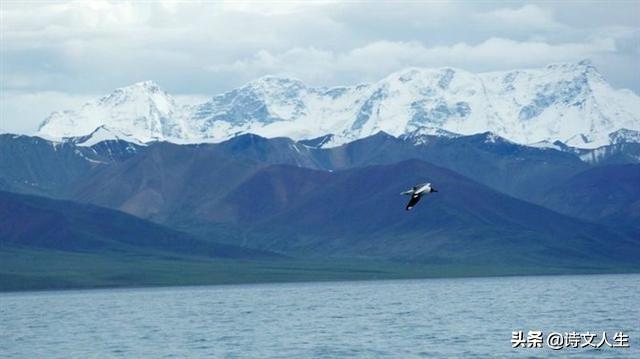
{"x": 417, "y": 192}
{"x": 426, "y": 188}
{"x": 419, "y": 189}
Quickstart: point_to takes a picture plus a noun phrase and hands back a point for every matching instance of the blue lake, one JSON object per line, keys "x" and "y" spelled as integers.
{"x": 445, "y": 318}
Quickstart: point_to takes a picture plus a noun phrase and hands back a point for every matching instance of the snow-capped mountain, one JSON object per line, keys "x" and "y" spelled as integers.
{"x": 101, "y": 134}
{"x": 570, "y": 102}
{"x": 142, "y": 111}
{"x": 624, "y": 135}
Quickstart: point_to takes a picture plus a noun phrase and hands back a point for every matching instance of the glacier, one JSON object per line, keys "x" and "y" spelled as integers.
{"x": 567, "y": 102}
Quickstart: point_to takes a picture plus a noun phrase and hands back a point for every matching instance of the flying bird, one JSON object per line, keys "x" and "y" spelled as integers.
{"x": 416, "y": 193}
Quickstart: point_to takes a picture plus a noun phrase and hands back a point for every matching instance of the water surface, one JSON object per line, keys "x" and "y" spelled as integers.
{"x": 466, "y": 317}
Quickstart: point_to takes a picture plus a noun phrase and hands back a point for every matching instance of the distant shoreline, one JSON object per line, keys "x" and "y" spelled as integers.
{"x": 387, "y": 276}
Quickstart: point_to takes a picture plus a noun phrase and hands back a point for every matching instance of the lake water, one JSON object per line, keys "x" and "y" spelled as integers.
{"x": 442, "y": 318}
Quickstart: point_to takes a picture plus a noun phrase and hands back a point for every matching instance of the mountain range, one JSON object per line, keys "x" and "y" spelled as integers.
{"x": 569, "y": 102}
{"x": 232, "y": 190}
{"x": 537, "y": 172}
{"x": 38, "y": 222}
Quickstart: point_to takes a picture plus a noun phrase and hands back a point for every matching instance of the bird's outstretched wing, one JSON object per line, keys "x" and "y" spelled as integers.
{"x": 412, "y": 202}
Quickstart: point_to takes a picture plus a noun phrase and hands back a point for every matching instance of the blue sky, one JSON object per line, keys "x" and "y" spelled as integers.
{"x": 56, "y": 55}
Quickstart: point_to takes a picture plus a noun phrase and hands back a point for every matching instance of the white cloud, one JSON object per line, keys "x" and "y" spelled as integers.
{"x": 528, "y": 16}
{"x": 82, "y": 47}
{"x": 377, "y": 59}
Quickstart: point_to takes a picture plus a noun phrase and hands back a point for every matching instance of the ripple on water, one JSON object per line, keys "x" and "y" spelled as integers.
{"x": 415, "y": 318}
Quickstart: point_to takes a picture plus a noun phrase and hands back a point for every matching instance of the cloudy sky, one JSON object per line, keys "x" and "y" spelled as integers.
{"x": 57, "y": 55}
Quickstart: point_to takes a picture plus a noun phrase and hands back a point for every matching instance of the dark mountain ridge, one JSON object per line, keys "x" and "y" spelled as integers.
{"x": 28, "y": 221}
